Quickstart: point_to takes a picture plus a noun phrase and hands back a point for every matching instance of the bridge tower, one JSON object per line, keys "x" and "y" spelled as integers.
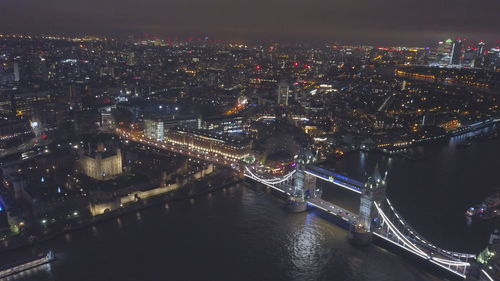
{"x": 374, "y": 191}
{"x": 304, "y": 184}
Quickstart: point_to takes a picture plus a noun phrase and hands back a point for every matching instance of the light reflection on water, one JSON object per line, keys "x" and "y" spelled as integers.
{"x": 119, "y": 222}
{"x": 244, "y": 233}
{"x": 67, "y": 237}
{"x": 42, "y": 272}
{"x": 304, "y": 250}
{"x": 247, "y": 236}
{"x": 95, "y": 232}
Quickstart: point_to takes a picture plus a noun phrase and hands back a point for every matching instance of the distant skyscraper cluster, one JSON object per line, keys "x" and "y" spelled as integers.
{"x": 461, "y": 53}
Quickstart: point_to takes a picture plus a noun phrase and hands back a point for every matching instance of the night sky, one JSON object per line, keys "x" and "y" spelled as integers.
{"x": 417, "y": 22}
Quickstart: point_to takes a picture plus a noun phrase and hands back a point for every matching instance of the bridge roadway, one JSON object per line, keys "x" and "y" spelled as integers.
{"x": 318, "y": 203}
{"x": 333, "y": 209}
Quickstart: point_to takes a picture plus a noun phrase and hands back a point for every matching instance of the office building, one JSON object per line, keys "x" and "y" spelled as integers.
{"x": 456, "y": 52}
{"x": 154, "y": 129}
{"x": 283, "y": 93}
{"x": 215, "y": 144}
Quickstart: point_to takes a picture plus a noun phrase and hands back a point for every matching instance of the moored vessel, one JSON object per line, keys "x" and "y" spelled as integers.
{"x": 26, "y": 264}
{"x": 489, "y": 208}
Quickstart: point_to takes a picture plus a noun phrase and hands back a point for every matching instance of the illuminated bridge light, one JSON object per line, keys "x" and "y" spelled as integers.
{"x": 449, "y": 260}
{"x": 334, "y": 180}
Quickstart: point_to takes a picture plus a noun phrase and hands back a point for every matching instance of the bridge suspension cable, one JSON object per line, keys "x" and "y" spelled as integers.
{"x": 414, "y": 242}
{"x": 270, "y": 181}
{"x": 410, "y": 246}
{"x": 424, "y": 242}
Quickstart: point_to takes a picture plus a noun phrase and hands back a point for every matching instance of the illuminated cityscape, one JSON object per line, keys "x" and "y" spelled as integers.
{"x": 148, "y": 153}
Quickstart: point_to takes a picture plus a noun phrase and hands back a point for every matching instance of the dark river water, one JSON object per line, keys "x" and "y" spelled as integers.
{"x": 433, "y": 194}
{"x": 244, "y": 233}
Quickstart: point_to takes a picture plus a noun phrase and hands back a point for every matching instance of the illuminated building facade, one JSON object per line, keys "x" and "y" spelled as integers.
{"x": 469, "y": 57}
{"x": 210, "y": 143}
{"x": 283, "y": 93}
{"x": 107, "y": 121}
{"x": 224, "y": 124}
{"x": 101, "y": 165}
{"x": 456, "y": 52}
{"x": 154, "y": 129}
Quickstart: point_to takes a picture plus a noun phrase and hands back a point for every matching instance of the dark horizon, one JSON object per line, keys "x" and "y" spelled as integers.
{"x": 412, "y": 23}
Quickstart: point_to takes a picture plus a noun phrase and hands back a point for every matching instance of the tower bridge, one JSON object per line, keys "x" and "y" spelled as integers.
{"x": 335, "y": 178}
{"x": 377, "y": 217}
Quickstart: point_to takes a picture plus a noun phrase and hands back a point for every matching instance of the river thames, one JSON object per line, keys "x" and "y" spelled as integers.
{"x": 244, "y": 232}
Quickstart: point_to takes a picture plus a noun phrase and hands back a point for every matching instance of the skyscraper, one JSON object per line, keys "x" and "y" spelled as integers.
{"x": 447, "y": 46}
{"x": 456, "y": 52}
{"x": 440, "y": 50}
{"x": 131, "y": 58}
{"x": 444, "y": 51}
{"x": 17, "y": 76}
{"x": 479, "y": 62}
{"x": 480, "y": 48}
{"x": 469, "y": 56}
{"x": 283, "y": 93}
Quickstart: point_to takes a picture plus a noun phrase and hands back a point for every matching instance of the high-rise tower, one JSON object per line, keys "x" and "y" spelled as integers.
{"x": 447, "y": 46}
{"x": 17, "y": 76}
{"x": 479, "y": 62}
{"x": 456, "y": 52}
{"x": 480, "y": 48}
{"x": 283, "y": 93}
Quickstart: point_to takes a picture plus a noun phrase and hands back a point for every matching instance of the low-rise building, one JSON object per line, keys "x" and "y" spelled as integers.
{"x": 102, "y": 164}
{"x": 210, "y": 143}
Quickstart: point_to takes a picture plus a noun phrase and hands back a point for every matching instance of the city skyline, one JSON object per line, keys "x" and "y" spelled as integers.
{"x": 249, "y": 141}
{"x": 367, "y": 22}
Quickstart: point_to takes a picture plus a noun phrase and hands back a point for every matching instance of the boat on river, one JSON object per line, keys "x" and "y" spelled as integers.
{"x": 26, "y": 264}
{"x": 489, "y": 208}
